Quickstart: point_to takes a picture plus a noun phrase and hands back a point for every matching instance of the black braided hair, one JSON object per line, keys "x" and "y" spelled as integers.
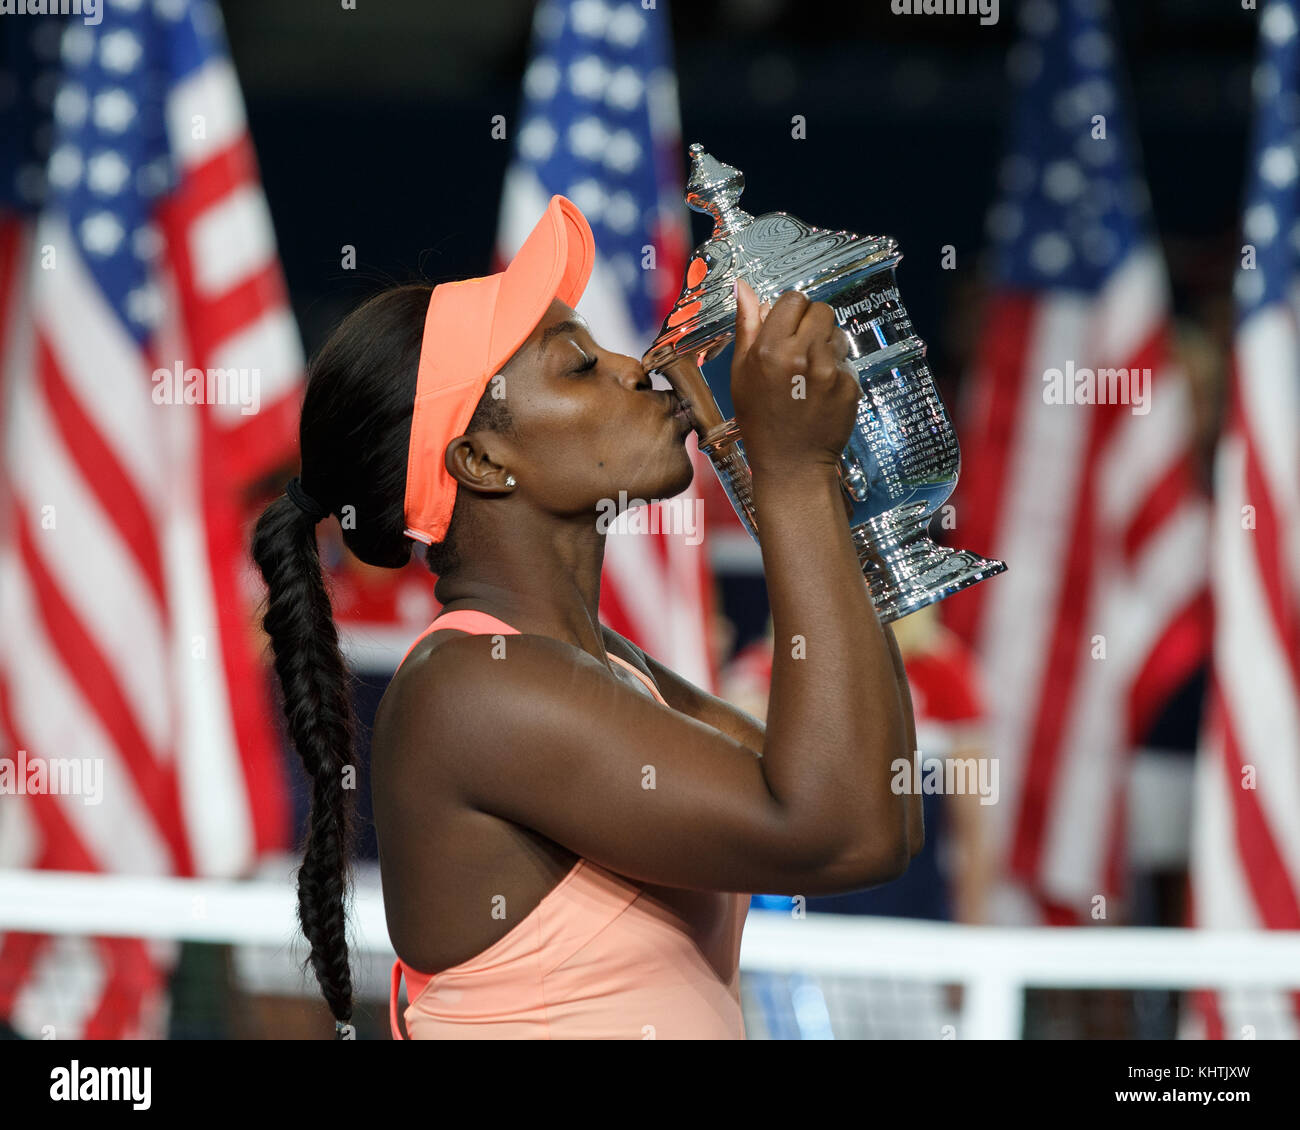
{"x": 354, "y": 432}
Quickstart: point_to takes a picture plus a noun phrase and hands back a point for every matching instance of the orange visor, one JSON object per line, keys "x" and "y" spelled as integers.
{"x": 472, "y": 328}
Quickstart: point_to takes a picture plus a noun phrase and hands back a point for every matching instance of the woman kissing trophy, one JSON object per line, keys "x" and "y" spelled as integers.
{"x": 902, "y": 460}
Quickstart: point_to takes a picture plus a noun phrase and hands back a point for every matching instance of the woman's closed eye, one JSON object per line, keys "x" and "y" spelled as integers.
{"x": 588, "y": 364}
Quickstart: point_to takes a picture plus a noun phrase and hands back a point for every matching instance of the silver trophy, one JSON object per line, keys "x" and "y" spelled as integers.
{"x": 902, "y": 460}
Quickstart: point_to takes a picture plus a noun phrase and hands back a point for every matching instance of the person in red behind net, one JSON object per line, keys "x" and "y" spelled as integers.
{"x": 949, "y": 880}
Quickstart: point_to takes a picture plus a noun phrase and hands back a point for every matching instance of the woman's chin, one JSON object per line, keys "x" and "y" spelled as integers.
{"x": 680, "y": 480}
{"x": 665, "y": 482}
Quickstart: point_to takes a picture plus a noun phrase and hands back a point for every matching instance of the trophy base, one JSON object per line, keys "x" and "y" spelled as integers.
{"x": 906, "y": 570}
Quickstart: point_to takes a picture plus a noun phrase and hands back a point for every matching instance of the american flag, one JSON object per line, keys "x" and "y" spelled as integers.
{"x": 598, "y": 123}
{"x": 134, "y": 238}
{"x": 1094, "y": 506}
{"x": 1246, "y": 830}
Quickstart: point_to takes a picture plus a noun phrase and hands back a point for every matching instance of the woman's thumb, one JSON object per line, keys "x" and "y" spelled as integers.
{"x": 748, "y": 319}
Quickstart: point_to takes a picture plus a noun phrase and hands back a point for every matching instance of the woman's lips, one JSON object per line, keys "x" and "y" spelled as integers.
{"x": 682, "y": 414}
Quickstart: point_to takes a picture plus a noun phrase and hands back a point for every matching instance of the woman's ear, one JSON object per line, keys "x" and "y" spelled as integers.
{"x": 470, "y": 463}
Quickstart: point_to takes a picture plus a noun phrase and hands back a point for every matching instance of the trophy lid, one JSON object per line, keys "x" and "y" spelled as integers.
{"x": 774, "y": 253}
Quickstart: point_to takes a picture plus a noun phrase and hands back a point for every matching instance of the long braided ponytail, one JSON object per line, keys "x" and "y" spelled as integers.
{"x": 318, "y": 708}
{"x": 354, "y": 434}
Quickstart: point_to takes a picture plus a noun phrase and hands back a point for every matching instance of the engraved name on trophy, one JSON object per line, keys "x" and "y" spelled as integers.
{"x": 902, "y": 459}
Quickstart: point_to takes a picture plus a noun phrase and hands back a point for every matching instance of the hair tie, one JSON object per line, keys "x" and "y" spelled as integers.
{"x": 301, "y": 499}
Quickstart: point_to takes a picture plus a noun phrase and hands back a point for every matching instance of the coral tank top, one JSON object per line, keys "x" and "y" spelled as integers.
{"x": 600, "y": 957}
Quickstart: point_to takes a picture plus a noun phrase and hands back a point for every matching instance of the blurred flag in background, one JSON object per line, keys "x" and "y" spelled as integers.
{"x": 1246, "y": 829}
{"x": 1102, "y": 614}
{"x": 134, "y": 238}
{"x": 599, "y": 124}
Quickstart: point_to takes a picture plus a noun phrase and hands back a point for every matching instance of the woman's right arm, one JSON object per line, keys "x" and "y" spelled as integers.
{"x": 833, "y": 684}
{"x": 546, "y": 738}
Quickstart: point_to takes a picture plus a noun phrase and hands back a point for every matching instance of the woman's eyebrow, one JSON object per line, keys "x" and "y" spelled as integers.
{"x": 567, "y": 326}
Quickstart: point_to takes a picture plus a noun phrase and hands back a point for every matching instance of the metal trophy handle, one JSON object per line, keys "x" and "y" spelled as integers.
{"x": 902, "y": 459}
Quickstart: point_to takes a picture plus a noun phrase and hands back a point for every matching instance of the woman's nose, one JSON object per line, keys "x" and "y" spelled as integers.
{"x": 632, "y": 376}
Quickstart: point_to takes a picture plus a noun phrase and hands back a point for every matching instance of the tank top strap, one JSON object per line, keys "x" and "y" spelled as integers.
{"x": 639, "y": 674}
{"x": 468, "y": 620}
{"x": 392, "y": 999}
{"x": 415, "y": 984}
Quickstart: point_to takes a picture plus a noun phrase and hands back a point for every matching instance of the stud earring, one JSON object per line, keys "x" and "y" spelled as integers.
{"x": 510, "y": 480}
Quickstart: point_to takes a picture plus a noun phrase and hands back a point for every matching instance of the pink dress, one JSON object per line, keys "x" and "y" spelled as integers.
{"x": 598, "y": 958}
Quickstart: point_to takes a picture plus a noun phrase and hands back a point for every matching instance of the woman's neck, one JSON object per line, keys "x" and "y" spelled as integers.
{"x": 544, "y": 581}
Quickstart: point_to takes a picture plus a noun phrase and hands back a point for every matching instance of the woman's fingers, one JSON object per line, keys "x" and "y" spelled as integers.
{"x": 748, "y": 318}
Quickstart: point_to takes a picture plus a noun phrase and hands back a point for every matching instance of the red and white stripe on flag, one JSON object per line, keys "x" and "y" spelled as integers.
{"x": 1101, "y": 614}
{"x": 1076, "y": 471}
{"x": 1246, "y": 828}
{"x": 124, "y": 581}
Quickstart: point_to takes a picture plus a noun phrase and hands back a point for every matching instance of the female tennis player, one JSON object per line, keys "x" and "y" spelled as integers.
{"x": 567, "y": 830}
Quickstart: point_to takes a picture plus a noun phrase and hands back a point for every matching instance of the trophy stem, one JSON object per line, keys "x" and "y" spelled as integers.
{"x": 906, "y": 570}
{"x": 722, "y": 445}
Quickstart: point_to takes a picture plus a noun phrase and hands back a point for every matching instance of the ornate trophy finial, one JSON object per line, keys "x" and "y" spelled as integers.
{"x": 714, "y": 188}
{"x": 774, "y": 252}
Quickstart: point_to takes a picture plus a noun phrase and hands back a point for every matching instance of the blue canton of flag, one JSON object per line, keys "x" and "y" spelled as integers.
{"x": 1073, "y": 206}
{"x": 111, "y": 161}
{"x": 587, "y": 131}
{"x": 1272, "y": 221}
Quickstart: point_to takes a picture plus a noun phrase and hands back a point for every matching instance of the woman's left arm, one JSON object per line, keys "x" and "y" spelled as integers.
{"x": 691, "y": 700}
